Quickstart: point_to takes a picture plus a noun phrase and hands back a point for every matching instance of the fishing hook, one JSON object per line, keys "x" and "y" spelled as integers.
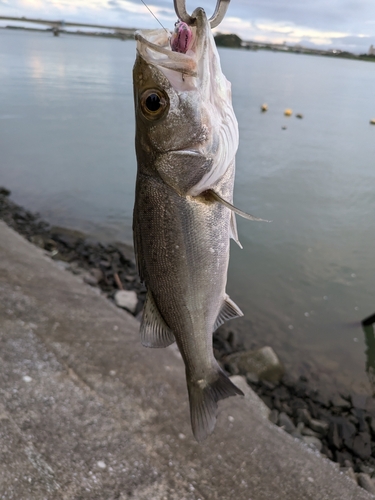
{"x": 215, "y": 19}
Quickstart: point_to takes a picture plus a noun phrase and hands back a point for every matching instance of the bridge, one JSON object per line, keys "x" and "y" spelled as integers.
{"x": 59, "y": 26}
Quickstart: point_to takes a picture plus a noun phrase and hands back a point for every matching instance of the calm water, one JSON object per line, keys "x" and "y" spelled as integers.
{"x": 304, "y": 281}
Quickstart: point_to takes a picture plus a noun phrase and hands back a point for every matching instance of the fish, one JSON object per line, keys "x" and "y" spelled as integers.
{"x": 186, "y": 141}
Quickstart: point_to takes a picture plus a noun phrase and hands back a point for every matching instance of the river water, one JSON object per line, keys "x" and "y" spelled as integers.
{"x": 304, "y": 281}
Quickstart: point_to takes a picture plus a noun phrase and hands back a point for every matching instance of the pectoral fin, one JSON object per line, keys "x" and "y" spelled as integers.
{"x": 221, "y": 200}
{"x": 229, "y": 310}
{"x": 154, "y": 331}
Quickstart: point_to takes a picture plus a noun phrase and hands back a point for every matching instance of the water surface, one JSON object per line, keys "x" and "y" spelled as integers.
{"x": 304, "y": 281}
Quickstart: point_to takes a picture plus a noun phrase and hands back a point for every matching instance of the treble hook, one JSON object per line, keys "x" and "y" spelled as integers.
{"x": 215, "y": 19}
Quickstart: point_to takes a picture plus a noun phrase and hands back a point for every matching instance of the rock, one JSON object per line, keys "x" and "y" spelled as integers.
{"x": 38, "y": 240}
{"x": 304, "y": 416}
{"x": 267, "y": 400}
{"x": 282, "y": 393}
{"x": 347, "y": 432}
{"x": 306, "y": 431}
{"x": 263, "y": 362}
{"x": 274, "y": 416}
{"x": 4, "y": 191}
{"x": 367, "y": 470}
{"x": 297, "y": 435}
{"x": 359, "y": 401}
{"x": 362, "y": 445}
{"x": 340, "y": 402}
{"x": 342, "y": 457}
{"x": 348, "y": 471}
{"x": 297, "y": 404}
{"x": 268, "y": 385}
{"x": 286, "y": 423}
{"x": 333, "y": 437}
{"x": 300, "y": 427}
{"x": 322, "y": 398}
{"x": 370, "y": 406}
{"x": 90, "y": 279}
{"x": 353, "y": 420}
{"x": 319, "y": 426}
{"x": 252, "y": 378}
{"x": 127, "y": 300}
{"x": 313, "y": 442}
{"x": 251, "y": 397}
{"x": 234, "y": 341}
{"x": 232, "y": 368}
{"x": 97, "y": 274}
{"x": 361, "y": 419}
{"x": 366, "y": 482}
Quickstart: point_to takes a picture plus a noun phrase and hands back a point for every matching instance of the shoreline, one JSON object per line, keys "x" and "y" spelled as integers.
{"x": 230, "y": 41}
{"x": 341, "y": 426}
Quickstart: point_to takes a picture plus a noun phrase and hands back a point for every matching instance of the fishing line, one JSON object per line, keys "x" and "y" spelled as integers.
{"x": 148, "y": 8}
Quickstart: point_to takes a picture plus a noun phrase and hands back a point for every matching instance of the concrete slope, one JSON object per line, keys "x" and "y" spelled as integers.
{"x": 87, "y": 413}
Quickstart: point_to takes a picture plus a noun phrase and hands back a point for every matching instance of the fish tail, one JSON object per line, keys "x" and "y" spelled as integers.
{"x": 203, "y": 398}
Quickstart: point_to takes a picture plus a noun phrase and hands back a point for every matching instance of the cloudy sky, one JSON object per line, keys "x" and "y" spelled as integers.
{"x": 342, "y": 24}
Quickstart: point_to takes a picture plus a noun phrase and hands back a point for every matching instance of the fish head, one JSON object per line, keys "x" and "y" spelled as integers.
{"x": 184, "y": 116}
{"x": 166, "y": 118}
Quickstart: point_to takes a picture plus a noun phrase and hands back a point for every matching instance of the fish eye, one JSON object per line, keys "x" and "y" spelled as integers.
{"x": 154, "y": 103}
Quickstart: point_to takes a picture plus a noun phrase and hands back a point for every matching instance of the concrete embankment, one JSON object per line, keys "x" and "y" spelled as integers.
{"x": 87, "y": 413}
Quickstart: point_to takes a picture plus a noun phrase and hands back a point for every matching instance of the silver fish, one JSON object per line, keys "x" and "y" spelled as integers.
{"x": 186, "y": 141}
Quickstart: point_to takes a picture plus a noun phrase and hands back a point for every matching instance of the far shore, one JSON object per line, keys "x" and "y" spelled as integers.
{"x": 231, "y": 41}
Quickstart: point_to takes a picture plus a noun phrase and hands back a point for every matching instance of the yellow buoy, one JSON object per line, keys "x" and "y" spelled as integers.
{"x": 264, "y": 108}
{"x": 372, "y": 121}
{"x": 288, "y": 112}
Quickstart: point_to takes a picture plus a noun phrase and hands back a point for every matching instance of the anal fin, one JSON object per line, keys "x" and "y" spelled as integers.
{"x": 154, "y": 331}
{"x": 229, "y": 310}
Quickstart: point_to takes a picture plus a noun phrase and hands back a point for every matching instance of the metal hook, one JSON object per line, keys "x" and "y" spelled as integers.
{"x": 215, "y": 19}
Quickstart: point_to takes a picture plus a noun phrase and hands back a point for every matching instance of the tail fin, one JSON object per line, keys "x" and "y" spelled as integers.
{"x": 203, "y": 398}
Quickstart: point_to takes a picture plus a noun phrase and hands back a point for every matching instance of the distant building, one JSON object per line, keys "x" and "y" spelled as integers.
{"x": 371, "y": 51}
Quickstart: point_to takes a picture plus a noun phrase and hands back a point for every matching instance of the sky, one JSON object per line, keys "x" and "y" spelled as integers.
{"x": 333, "y": 24}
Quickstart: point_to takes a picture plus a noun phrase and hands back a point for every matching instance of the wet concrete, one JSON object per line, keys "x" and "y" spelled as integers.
{"x": 87, "y": 413}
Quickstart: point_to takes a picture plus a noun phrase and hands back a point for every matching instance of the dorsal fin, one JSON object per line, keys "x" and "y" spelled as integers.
{"x": 229, "y": 310}
{"x": 154, "y": 331}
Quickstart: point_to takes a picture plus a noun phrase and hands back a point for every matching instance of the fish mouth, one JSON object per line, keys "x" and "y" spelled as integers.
{"x": 154, "y": 46}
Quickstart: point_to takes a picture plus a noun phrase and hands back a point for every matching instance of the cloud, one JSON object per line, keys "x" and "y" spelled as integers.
{"x": 338, "y": 23}
{"x": 279, "y": 32}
